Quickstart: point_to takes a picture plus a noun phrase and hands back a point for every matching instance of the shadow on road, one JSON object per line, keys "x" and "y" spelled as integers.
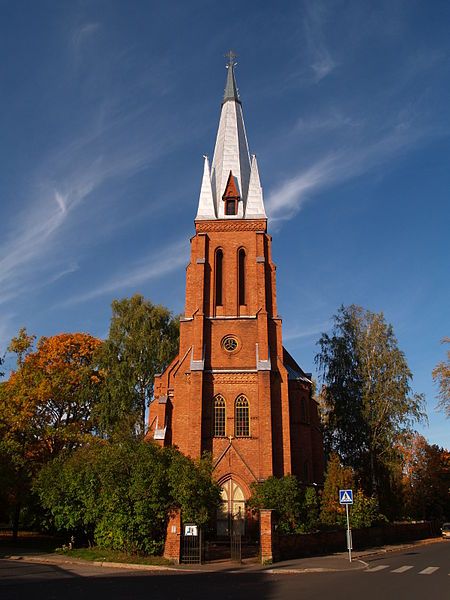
{"x": 47, "y": 582}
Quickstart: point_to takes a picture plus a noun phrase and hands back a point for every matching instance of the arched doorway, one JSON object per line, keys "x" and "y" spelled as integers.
{"x": 231, "y": 514}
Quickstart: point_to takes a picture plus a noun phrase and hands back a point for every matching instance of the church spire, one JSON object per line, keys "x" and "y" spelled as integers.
{"x": 231, "y": 91}
{"x": 231, "y": 159}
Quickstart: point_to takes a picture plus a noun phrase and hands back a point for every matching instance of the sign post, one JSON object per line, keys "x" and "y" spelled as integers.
{"x": 346, "y": 497}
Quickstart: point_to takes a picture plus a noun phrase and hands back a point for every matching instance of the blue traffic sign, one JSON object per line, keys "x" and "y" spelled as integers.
{"x": 346, "y": 496}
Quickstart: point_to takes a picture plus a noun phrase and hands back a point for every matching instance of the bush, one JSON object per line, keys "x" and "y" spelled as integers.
{"x": 297, "y": 508}
{"x": 118, "y": 495}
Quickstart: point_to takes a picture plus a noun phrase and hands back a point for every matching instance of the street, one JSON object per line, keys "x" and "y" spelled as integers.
{"x": 418, "y": 573}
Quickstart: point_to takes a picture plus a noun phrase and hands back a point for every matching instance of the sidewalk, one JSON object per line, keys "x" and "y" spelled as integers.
{"x": 316, "y": 564}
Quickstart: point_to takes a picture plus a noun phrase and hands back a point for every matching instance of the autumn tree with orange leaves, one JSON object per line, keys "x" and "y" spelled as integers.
{"x": 46, "y": 406}
{"x": 426, "y": 479}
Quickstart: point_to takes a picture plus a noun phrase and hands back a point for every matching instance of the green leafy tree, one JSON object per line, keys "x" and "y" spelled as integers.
{"x": 282, "y": 494}
{"x": 118, "y": 494}
{"x": 142, "y": 340}
{"x": 192, "y": 487}
{"x": 311, "y": 509}
{"x": 366, "y": 399}
{"x": 441, "y": 376}
{"x": 364, "y": 511}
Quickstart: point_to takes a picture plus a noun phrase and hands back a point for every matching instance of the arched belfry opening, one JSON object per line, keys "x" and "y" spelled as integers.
{"x": 218, "y": 278}
{"x": 241, "y": 277}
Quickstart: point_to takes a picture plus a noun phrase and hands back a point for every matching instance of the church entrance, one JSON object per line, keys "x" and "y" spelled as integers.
{"x": 231, "y": 514}
{"x": 235, "y": 529}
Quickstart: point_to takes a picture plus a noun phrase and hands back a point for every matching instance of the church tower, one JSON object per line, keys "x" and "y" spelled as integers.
{"x": 233, "y": 390}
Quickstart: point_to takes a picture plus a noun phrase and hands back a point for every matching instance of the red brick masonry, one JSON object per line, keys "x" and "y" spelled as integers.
{"x": 172, "y": 547}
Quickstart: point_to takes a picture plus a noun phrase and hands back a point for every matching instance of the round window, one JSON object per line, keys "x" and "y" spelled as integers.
{"x": 230, "y": 343}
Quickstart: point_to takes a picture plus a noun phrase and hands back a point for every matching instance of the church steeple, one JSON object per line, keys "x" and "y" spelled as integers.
{"x": 231, "y": 91}
{"x": 231, "y": 155}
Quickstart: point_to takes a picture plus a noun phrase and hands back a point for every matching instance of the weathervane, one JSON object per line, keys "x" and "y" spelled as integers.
{"x": 231, "y": 56}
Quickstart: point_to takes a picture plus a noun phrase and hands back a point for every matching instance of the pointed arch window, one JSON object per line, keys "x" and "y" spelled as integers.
{"x": 241, "y": 276}
{"x": 219, "y": 278}
{"x": 219, "y": 416}
{"x": 242, "y": 417}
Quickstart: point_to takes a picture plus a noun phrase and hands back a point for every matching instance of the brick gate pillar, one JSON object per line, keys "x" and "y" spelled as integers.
{"x": 267, "y": 536}
{"x": 172, "y": 546}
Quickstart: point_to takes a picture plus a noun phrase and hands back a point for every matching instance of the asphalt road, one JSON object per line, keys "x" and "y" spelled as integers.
{"x": 421, "y": 573}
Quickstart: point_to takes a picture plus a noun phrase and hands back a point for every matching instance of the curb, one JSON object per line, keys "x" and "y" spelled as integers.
{"x": 279, "y": 571}
{"x": 95, "y": 563}
{"x": 53, "y": 560}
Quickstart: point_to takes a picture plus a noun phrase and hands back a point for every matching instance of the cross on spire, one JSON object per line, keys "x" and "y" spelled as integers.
{"x": 231, "y": 56}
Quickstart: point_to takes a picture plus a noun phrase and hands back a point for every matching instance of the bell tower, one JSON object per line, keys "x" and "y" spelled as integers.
{"x": 233, "y": 390}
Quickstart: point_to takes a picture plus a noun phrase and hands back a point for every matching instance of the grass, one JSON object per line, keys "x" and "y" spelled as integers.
{"x": 29, "y": 543}
{"x": 103, "y": 555}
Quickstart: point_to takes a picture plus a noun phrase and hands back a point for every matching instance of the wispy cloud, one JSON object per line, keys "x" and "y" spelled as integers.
{"x": 319, "y": 55}
{"x": 37, "y": 239}
{"x": 82, "y": 32}
{"x": 154, "y": 266}
{"x": 306, "y": 332}
{"x": 358, "y": 150}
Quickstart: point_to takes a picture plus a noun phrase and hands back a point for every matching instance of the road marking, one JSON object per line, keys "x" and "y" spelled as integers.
{"x": 428, "y": 570}
{"x": 402, "y": 569}
{"x": 377, "y": 568}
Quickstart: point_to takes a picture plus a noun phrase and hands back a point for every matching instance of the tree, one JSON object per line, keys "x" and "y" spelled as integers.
{"x": 282, "y": 494}
{"x": 21, "y": 345}
{"x": 50, "y": 398}
{"x": 118, "y": 494}
{"x": 337, "y": 477}
{"x": 426, "y": 479}
{"x": 441, "y": 376}
{"x": 366, "y": 400}
{"x": 142, "y": 340}
{"x": 45, "y": 406}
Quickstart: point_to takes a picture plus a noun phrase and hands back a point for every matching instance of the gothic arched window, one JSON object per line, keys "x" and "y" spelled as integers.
{"x": 219, "y": 277}
{"x": 219, "y": 417}
{"x": 241, "y": 276}
{"x": 242, "y": 417}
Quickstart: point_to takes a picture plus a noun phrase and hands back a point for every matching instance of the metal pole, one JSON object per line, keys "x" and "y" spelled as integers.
{"x": 349, "y": 538}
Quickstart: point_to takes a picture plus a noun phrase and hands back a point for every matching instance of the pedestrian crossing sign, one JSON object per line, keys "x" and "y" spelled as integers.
{"x": 346, "y": 496}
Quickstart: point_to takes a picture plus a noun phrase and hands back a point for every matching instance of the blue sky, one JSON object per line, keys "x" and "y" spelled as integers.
{"x": 107, "y": 107}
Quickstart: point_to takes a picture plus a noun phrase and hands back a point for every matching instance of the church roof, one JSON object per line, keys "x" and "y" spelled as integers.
{"x": 231, "y": 154}
{"x": 294, "y": 370}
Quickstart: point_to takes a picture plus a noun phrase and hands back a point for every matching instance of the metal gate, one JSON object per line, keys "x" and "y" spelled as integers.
{"x": 191, "y": 553}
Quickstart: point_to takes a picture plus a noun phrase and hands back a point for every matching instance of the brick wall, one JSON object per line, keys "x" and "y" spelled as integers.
{"x": 172, "y": 546}
{"x": 266, "y": 540}
{"x": 313, "y": 544}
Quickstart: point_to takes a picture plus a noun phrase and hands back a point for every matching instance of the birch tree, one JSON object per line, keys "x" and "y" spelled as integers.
{"x": 366, "y": 400}
{"x": 142, "y": 340}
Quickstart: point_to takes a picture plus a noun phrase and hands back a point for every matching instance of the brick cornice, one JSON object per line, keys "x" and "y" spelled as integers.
{"x": 231, "y": 225}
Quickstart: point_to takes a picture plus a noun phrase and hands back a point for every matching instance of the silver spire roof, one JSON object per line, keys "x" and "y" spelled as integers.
{"x": 231, "y": 154}
{"x": 231, "y": 91}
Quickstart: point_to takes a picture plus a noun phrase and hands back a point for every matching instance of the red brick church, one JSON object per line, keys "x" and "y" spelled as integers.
{"x": 233, "y": 390}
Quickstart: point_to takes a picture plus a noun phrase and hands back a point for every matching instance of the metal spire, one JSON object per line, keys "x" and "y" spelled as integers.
{"x": 231, "y": 91}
